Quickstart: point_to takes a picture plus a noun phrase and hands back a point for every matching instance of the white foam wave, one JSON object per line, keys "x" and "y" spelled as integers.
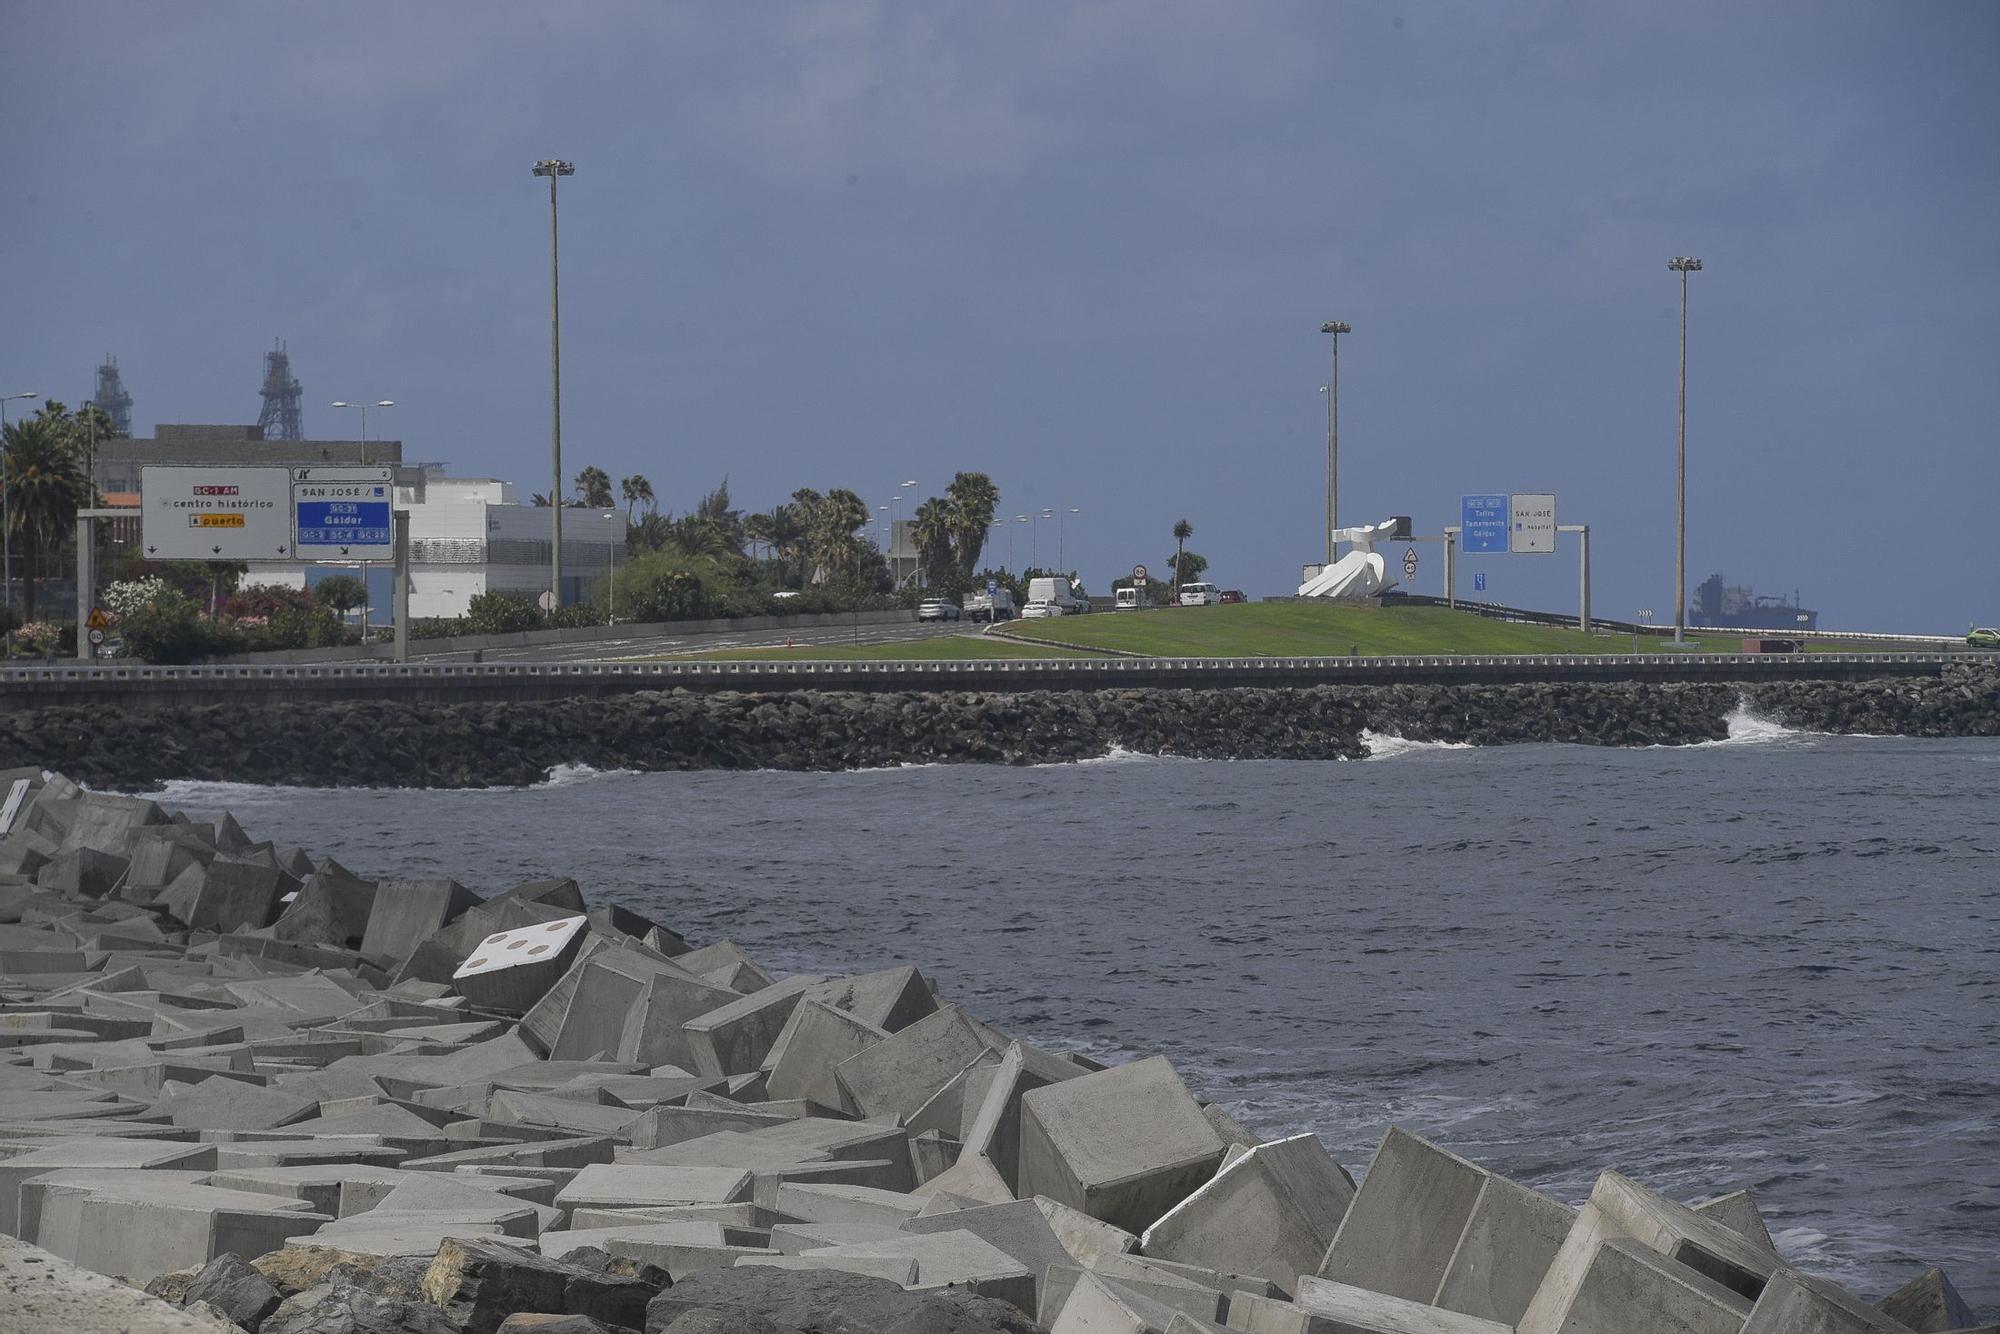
{"x": 1387, "y": 745}
{"x": 1750, "y": 729}
{"x": 1120, "y": 755}
{"x": 568, "y": 775}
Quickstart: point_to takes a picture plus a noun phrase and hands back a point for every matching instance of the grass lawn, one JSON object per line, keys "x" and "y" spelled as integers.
{"x": 950, "y": 648}
{"x": 1303, "y": 629}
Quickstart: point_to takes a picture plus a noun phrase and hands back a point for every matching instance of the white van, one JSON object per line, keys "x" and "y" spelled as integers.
{"x": 1200, "y": 595}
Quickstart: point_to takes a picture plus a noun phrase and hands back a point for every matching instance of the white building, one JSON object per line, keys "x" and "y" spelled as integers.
{"x": 469, "y": 535}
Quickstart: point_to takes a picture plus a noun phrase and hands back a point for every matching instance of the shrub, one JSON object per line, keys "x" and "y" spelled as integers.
{"x": 502, "y": 614}
{"x": 169, "y": 629}
{"x": 342, "y": 592}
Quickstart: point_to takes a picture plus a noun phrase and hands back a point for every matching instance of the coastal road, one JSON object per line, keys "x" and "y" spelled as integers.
{"x": 641, "y": 647}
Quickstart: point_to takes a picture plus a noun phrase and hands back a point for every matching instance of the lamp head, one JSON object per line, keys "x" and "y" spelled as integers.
{"x": 1684, "y": 264}
{"x": 1336, "y": 327}
{"x": 555, "y": 167}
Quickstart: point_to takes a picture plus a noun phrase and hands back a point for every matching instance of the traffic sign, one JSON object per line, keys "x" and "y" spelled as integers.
{"x": 1139, "y": 573}
{"x": 992, "y": 587}
{"x": 203, "y": 513}
{"x": 343, "y": 514}
{"x": 1531, "y": 523}
{"x": 95, "y": 634}
{"x": 97, "y": 620}
{"x": 1410, "y": 563}
{"x": 1482, "y": 522}
{"x": 1479, "y": 583}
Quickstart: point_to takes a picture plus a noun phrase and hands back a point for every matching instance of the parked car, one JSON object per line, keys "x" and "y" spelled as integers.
{"x": 937, "y": 609}
{"x": 1985, "y": 636}
{"x": 1231, "y": 595}
{"x": 1133, "y": 599}
{"x": 1034, "y": 610}
{"x": 1200, "y": 595}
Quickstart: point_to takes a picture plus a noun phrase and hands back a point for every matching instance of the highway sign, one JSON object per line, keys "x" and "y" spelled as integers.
{"x": 1531, "y": 522}
{"x": 1479, "y": 583}
{"x": 992, "y": 587}
{"x": 1482, "y": 523}
{"x": 203, "y": 513}
{"x": 343, "y": 514}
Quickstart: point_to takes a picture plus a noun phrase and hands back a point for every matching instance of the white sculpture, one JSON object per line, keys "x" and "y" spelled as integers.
{"x": 1361, "y": 573}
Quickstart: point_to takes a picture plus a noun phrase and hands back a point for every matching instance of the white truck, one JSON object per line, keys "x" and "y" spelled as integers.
{"x": 995, "y": 606}
{"x": 1136, "y": 598}
{"x": 1060, "y": 593}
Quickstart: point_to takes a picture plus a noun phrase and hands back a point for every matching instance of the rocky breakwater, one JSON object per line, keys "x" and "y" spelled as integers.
{"x": 284, "y": 1097}
{"x": 494, "y": 744}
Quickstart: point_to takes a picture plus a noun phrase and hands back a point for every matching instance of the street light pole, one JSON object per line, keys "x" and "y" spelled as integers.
{"x": 1683, "y": 265}
{"x": 378, "y": 403}
{"x": 1336, "y": 328}
{"x": 7, "y": 509}
{"x": 555, "y": 168}
{"x": 1062, "y": 525}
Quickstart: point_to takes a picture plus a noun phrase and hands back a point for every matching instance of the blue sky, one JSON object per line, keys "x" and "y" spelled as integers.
{"x": 1083, "y": 247}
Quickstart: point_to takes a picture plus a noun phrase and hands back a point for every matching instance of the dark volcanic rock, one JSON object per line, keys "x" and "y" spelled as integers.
{"x": 339, "y": 1308}
{"x": 824, "y": 1302}
{"x": 229, "y": 1284}
{"x": 488, "y": 743}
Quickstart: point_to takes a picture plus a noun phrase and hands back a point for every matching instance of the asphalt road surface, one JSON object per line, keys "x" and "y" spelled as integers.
{"x": 641, "y": 647}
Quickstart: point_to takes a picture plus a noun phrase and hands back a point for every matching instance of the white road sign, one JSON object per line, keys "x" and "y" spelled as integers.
{"x": 199, "y": 513}
{"x": 1531, "y": 523}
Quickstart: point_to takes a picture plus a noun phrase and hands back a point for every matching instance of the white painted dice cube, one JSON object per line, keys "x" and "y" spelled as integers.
{"x": 510, "y": 970}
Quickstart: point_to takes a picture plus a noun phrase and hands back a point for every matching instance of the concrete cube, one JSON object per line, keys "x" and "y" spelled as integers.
{"x": 1399, "y": 1234}
{"x": 891, "y": 998}
{"x": 993, "y": 1130}
{"x": 902, "y": 1074}
{"x": 83, "y": 873}
{"x": 1272, "y": 1212}
{"x": 1124, "y": 1145}
{"x": 734, "y": 1039}
{"x": 1618, "y": 1283}
{"x": 1928, "y": 1304}
{"x": 226, "y": 896}
{"x": 815, "y": 1040}
{"x": 1345, "y": 1309}
{"x": 407, "y": 912}
{"x": 511, "y": 970}
{"x": 1793, "y": 1303}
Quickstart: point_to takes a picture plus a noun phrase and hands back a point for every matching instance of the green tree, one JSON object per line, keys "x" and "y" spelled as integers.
{"x": 637, "y": 491}
{"x": 1183, "y": 530}
{"x": 342, "y": 592}
{"x": 495, "y": 613}
{"x": 931, "y": 531}
{"x": 45, "y": 487}
{"x": 593, "y": 488}
{"x": 971, "y": 498}
{"x": 1187, "y": 566}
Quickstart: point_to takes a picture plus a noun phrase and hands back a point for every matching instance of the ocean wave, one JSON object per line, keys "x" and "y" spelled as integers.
{"x": 1748, "y": 728}
{"x": 568, "y": 775}
{"x": 1387, "y": 745}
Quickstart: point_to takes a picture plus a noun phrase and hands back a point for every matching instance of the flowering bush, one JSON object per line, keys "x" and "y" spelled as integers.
{"x": 38, "y": 636}
{"x": 261, "y": 603}
{"x": 124, "y": 598}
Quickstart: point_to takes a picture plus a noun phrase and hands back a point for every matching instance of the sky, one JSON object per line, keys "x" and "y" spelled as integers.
{"x": 1085, "y": 248}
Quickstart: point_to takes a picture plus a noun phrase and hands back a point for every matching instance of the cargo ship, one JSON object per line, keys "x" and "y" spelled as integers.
{"x": 1737, "y": 607}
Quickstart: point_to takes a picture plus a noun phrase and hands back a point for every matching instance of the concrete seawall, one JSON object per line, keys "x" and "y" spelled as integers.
{"x": 499, "y": 740}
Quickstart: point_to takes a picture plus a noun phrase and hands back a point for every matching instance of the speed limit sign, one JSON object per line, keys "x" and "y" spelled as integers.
{"x": 1139, "y": 573}
{"x": 95, "y": 636}
{"x": 1410, "y": 562}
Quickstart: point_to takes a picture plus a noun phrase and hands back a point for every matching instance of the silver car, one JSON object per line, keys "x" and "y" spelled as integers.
{"x": 938, "y": 609}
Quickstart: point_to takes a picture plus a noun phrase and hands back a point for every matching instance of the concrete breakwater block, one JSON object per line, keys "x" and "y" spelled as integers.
{"x": 511, "y": 970}
{"x": 1273, "y": 1211}
{"x": 1124, "y": 1145}
{"x": 191, "y": 1072}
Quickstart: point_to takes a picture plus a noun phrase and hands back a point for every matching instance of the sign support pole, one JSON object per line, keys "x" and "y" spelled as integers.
{"x": 1582, "y": 530}
{"x": 86, "y": 574}
{"x": 402, "y": 595}
{"x": 1451, "y": 568}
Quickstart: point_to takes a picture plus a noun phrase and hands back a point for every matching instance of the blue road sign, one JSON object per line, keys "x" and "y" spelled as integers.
{"x": 1479, "y": 583}
{"x": 353, "y": 520}
{"x": 1482, "y": 522}
{"x": 992, "y": 587}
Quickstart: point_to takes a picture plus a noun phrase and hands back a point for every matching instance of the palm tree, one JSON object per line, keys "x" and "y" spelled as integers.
{"x": 593, "y": 488}
{"x": 45, "y": 486}
{"x": 972, "y": 498}
{"x": 715, "y": 512}
{"x": 786, "y": 534}
{"x": 841, "y": 516}
{"x": 757, "y": 531}
{"x": 1183, "y": 530}
{"x": 805, "y": 507}
{"x": 636, "y": 490}
{"x": 932, "y": 533}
